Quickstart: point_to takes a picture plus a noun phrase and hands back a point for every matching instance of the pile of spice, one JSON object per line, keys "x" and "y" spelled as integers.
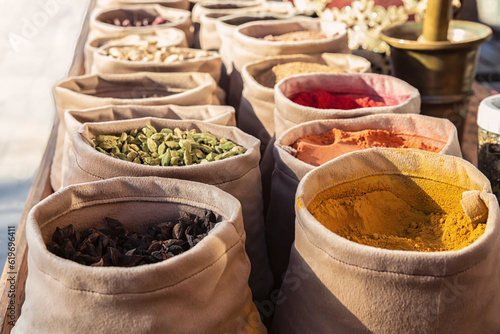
{"x": 167, "y": 147}
{"x": 152, "y": 52}
{"x": 323, "y": 99}
{"x": 116, "y": 246}
{"x": 319, "y": 149}
{"x": 398, "y": 215}
{"x": 296, "y": 36}
{"x": 137, "y": 22}
{"x": 273, "y": 75}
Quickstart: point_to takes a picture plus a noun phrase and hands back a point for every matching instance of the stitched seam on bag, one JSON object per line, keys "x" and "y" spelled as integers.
{"x": 213, "y": 184}
{"x": 151, "y": 291}
{"x": 382, "y": 271}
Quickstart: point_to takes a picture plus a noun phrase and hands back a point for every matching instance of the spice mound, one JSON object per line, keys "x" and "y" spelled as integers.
{"x": 167, "y": 147}
{"x": 295, "y": 36}
{"x": 152, "y": 52}
{"x": 319, "y": 149}
{"x": 137, "y": 22}
{"x": 114, "y": 245}
{"x": 397, "y": 216}
{"x": 323, "y": 99}
{"x": 278, "y": 72}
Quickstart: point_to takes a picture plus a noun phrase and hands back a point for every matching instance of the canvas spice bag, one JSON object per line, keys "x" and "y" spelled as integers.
{"x": 203, "y": 290}
{"x": 239, "y": 176}
{"x": 209, "y": 36}
{"x": 90, "y": 91}
{"x": 256, "y": 111}
{"x": 166, "y": 37}
{"x": 202, "y": 31}
{"x": 399, "y": 96}
{"x": 289, "y": 170}
{"x": 249, "y": 45}
{"x": 176, "y": 18}
{"x": 198, "y": 61}
{"x": 364, "y": 289}
{"x": 74, "y": 119}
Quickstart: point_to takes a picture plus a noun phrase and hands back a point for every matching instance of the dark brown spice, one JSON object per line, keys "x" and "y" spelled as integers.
{"x": 114, "y": 245}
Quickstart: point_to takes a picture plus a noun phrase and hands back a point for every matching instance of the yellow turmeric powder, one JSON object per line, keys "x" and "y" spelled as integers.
{"x": 397, "y": 212}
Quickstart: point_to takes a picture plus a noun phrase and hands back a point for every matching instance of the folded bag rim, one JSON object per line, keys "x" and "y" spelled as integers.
{"x": 52, "y": 265}
{"x": 398, "y": 262}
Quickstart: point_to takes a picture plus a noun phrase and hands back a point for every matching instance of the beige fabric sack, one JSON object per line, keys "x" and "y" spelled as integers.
{"x": 224, "y": 7}
{"x": 179, "y": 4}
{"x": 402, "y": 97}
{"x": 363, "y": 289}
{"x": 177, "y": 18}
{"x": 208, "y": 62}
{"x": 256, "y": 111}
{"x": 204, "y": 290}
{"x": 289, "y": 170}
{"x": 249, "y": 45}
{"x": 166, "y": 37}
{"x": 209, "y": 36}
{"x": 239, "y": 176}
{"x": 74, "y": 119}
{"x": 89, "y": 91}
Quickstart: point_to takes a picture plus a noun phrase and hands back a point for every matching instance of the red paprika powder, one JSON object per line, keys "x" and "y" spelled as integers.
{"x": 323, "y": 99}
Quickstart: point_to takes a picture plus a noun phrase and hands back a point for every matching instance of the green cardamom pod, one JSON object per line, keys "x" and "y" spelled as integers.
{"x": 152, "y": 146}
{"x": 161, "y": 148}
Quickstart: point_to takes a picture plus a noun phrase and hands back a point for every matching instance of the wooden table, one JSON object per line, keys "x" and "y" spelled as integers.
{"x": 41, "y": 188}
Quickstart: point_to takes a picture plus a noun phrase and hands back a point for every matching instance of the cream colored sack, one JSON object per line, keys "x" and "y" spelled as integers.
{"x": 400, "y": 96}
{"x": 91, "y": 91}
{"x": 207, "y": 62}
{"x": 288, "y": 170}
{"x": 334, "y": 285}
{"x": 179, "y": 4}
{"x": 239, "y": 176}
{"x": 224, "y": 7}
{"x": 209, "y": 36}
{"x": 74, "y": 119}
{"x": 249, "y": 45}
{"x": 256, "y": 111}
{"x": 204, "y": 290}
{"x": 167, "y": 37}
{"x": 177, "y": 18}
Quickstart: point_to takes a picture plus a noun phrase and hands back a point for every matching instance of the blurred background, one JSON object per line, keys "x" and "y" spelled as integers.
{"x": 38, "y": 38}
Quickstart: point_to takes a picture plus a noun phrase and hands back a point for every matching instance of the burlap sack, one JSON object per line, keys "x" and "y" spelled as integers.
{"x": 74, "y": 119}
{"x": 226, "y": 26}
{"x": 90, "y": 91}
{"x": 179, "y": 4}
{"x": 256, "y": 110}
{"x": 209, "y": 36}
{"x": 363, "y": 289}
{"x": 402, "y": 97}
{"x": 211, "y": 63}
{"x": 204, "y": 290}
{"x": 249, "y": 45}
{"x": 216, "y": 7}
{"x": 177, "y": 18}
{"x": 166, "y": 37}
{"x": 288, "y": 171}
{"x": 239, "y": 176}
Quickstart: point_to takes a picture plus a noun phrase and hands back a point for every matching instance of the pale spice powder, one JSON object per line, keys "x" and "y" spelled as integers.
{"x": 278, "y": 72}
{"x": 296, "y": 36}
